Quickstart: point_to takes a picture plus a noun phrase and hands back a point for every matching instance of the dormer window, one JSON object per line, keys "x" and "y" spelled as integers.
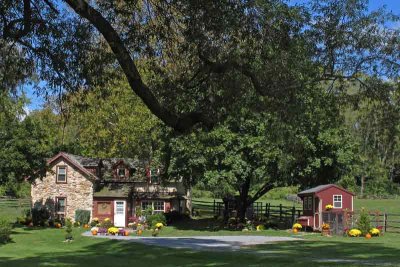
{"x": 121, "y": 172}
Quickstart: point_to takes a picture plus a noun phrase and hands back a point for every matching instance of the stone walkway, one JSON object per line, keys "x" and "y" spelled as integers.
{"x": 201, "y": 242}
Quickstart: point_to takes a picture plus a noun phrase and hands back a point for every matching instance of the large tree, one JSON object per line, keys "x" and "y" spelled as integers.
{"x": 250, "y": 153}
{"x": 23, "y": 148}
{"x": 193, "y": 51}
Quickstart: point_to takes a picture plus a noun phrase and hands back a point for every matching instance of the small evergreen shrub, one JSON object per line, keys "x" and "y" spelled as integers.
{"x": 5, "y": 231}
{"x": 68, "y": 230}
{"x": 82, "y": 216}
{"x": 364, "y": 222}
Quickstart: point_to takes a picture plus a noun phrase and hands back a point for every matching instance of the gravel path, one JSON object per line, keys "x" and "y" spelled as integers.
{"x": 202, "y": 242}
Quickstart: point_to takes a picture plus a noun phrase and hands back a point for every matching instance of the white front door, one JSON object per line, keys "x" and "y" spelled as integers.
{"x": 119, "y": 213}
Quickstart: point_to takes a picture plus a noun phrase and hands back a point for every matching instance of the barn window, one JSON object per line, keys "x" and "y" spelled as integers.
{"x": 121, "y": 172}
{"x": 308, "y": 203}
{"x": 337, "y": 201}
{"x": 309, "y": 207}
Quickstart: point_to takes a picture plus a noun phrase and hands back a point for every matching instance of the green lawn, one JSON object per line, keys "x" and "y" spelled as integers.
{"x": 44, "y": 247}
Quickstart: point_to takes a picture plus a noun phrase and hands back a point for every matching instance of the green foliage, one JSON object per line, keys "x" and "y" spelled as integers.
{"x": 68, "y": 230}
{"x": 23, "y": 151}
{"x": 5, "y": 231}
{"x": 153, "y": 219}
{"x": 281, "y": 192}
{"x": 364, "y": 222}
{"x": 106, "y": 224}
{"x": 82, "y": 216}
{"x": 40, "y": 215}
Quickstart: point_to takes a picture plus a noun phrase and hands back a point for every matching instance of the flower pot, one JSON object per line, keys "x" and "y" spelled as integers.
{"x": 94, "y": 232}
{"x": 126, "y": 233}
{"x": 325, "y": 232}
{"x": 295, "y": 230}
{"x": 368, "y": 236}
{"x": 139, "y": 232}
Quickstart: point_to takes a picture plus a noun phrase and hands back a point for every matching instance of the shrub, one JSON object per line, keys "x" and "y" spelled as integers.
{"x": 107, "y": 223}
{"x": 364, "y": 222}
{"x": 175, "y": 216}
{"x": 40, "y": 216}
{"x": 68, "y": 230}
{"x": 82, "y": 216}
{"x": 152, "y": 220}
{"x": 5, "y": 231}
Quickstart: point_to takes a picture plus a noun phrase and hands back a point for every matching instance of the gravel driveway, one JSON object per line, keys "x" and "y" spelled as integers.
{"x": 202, "y": 242}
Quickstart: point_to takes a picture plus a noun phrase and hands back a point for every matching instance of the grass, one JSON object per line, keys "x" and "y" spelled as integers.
{"x": 44, "y": 247}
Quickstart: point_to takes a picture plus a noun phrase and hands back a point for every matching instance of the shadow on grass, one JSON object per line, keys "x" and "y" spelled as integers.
{"x": 122, "y": 253}
{"x": 348, "y": 253}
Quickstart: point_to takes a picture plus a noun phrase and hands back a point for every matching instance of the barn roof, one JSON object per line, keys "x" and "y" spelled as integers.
{"x": 320, "y": 188}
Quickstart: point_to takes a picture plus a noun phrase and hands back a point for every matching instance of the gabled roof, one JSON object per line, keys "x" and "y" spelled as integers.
{"x": 73, "y": 160}
{"x": 320, "y": 188}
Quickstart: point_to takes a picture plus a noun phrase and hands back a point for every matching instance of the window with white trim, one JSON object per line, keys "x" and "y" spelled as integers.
{"x": 146, "y": 205}
{"x": 156, "y": 206}
{"x": 305, "y": 203}
{"x": 337, "y": 201}
{"x": 61, "y": 174}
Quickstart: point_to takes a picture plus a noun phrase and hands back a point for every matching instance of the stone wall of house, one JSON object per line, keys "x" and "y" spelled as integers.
{"x": 78, "y": 190}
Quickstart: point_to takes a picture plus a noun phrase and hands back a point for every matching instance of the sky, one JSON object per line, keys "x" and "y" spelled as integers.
{"x": 391, "y": 5}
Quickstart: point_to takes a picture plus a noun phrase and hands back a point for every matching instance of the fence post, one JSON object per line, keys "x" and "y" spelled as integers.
{"x": 280, "y": 212}
{"x": 214, "y": 208}
{"x": 385, "y": 220}
{"x": 293, "y": 214}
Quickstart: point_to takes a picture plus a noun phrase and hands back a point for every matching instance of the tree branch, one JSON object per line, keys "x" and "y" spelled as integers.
{"x": 264, "y": 189}
{"x": 181, "y": 123}
{"x": 217, "y": 67}
{"x": 27, "y": 23}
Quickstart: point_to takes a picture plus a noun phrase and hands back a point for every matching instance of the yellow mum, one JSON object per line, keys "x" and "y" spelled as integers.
{"x": 159, "y": 225}
{"x": 297, "y": 226}
{"x": 354, "y": 233}
{"x": 374, "y": 232}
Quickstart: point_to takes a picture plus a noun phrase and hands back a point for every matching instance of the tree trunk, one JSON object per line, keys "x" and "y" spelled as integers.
{"x": 243, "y": 201}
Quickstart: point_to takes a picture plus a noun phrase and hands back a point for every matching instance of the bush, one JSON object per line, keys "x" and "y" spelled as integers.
{"x": 107, "y": 223}
{"x": 152, "y": 220}
{"x": 5, "y": 231}
{"x": 82, "y": 216}
{"x": 175, "y": 216}
{"x": 40, "y": 216}
{"x": 68, "y": 230}
{"x": 364, "y": 222}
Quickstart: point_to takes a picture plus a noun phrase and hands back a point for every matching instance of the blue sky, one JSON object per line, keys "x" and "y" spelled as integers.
{"x": 391, "y": 5}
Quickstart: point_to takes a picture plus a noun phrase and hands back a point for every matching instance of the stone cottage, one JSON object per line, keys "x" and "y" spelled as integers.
{"x": 109, "y": 188}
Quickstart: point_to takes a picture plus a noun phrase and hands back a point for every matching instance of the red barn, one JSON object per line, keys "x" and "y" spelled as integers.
{"x": 315, "y": 201}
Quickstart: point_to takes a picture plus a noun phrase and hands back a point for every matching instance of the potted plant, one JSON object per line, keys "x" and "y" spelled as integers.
{"x": 296, "y": 227}
{"x": 94, "y": 230}
{"x": 374, "y": 232}
{"x": 328, "y": 207}
{"x": 326, "y": 229}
